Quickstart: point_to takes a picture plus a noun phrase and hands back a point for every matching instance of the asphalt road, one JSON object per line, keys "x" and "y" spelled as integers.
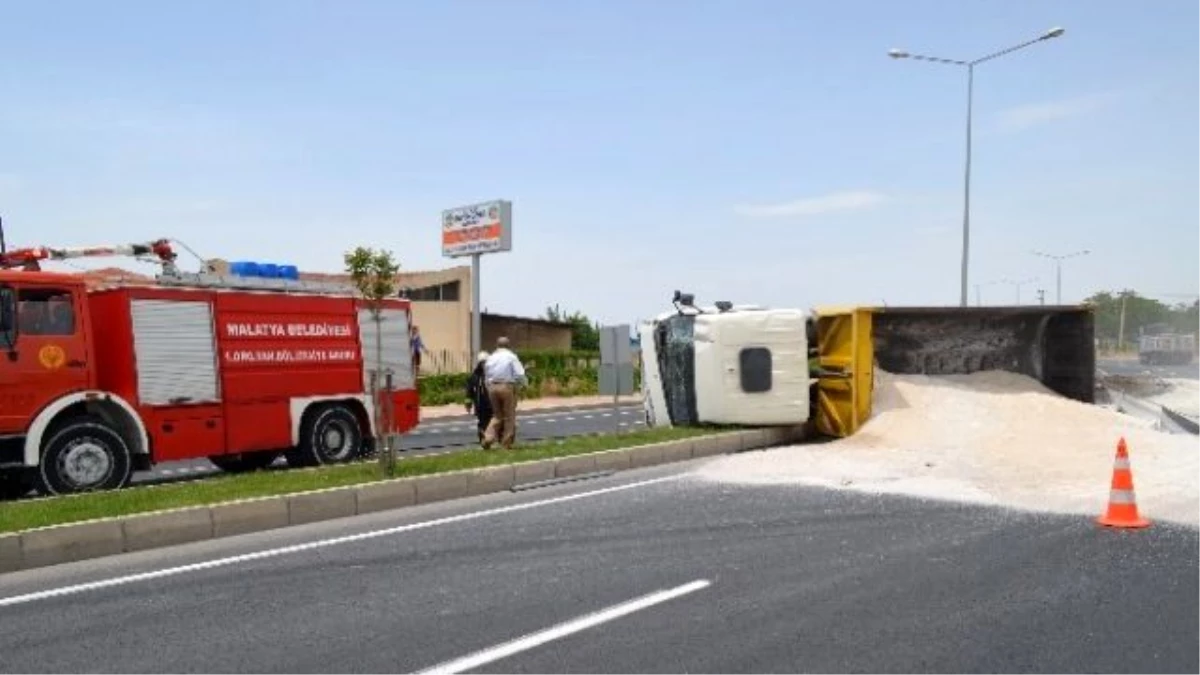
{"x": 670, "y": 576}
{"x": 453, "y": 433}
{"x": 1134, "y": 369}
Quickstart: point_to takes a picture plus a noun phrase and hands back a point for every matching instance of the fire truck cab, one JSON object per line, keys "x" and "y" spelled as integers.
{"x": 97, "y": 384}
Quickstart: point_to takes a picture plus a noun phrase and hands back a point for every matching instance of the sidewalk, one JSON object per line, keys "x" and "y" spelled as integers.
{"x": 458, "y": 409}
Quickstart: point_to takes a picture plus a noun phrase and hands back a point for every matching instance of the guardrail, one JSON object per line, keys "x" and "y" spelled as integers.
{"x": 1188, "y": 424}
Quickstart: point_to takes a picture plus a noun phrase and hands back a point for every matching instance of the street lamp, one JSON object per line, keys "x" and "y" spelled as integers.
{"x": 979, "y": 294}
{"x": 970, "y": 66}
{"x": 1058, "y": 267}
{"x": 1019, "y": 284}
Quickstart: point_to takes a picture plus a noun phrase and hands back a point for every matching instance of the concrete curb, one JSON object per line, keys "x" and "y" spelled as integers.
{"x": 110, "y": 536}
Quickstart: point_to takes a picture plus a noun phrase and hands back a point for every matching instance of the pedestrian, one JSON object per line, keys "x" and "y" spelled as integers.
{"x": 418, "y": 346}
{"x": 477, "y": 395}
{"x": 504, "y": 374}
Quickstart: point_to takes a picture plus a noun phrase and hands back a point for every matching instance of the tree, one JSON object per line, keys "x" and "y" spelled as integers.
{"x": 374, "y": 275}
{"x": 1140, "y": 313}
{"x": 585, "y": 334}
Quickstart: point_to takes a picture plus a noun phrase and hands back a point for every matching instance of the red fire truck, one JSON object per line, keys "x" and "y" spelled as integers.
{"x": 96, "y": 384}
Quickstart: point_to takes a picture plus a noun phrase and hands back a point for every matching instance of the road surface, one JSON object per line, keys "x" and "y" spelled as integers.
{"x": 645, "y": 571}
{"x": 1131, "y": 368}
{"x": 453, "y": 433}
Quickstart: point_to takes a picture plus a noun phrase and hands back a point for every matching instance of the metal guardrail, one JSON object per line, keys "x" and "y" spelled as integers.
{"x": 1185, "y": 422}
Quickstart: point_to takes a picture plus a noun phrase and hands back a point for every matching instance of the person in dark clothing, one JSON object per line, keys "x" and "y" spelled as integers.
{"x": 477, "y": 396}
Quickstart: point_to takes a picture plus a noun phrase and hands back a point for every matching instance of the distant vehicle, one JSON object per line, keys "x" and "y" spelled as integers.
{"x": 1158, "y": 346}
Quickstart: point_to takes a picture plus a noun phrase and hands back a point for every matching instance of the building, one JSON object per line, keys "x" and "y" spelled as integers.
{"x": 441, "y": 306}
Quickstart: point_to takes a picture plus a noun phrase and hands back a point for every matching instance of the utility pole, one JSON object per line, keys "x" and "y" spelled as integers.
{"x": 1121, "y": 330}
{"x": 1041, "y": 296}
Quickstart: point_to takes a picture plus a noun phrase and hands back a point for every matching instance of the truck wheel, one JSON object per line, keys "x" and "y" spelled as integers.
{"x": 331, "y": 435}
{"x": 14, "y": 485}
{"x": 82, "y": 456}
{"x": 241, "y": 463}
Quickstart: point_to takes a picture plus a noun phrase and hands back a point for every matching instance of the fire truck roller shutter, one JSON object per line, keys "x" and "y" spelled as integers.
{"x": 176, "y": 352}
{"x": 397, "y": 354}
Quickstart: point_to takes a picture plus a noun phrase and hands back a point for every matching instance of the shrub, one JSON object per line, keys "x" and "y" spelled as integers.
{"x": 549, "y": 373}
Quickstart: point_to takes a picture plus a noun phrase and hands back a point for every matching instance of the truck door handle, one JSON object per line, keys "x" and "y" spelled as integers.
{"x": 75, "y": 363}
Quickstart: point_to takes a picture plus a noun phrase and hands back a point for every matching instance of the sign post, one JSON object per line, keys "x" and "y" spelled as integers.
{"x": 616, "y": 366}
{"x": 474, "y": 230}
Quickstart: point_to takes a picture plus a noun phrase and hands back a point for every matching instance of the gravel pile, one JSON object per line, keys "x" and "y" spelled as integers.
{"x": 990, "y": 438}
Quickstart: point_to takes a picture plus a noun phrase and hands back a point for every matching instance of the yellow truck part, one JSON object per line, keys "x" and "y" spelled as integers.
{"x": 845, "y": 370}
{"x": 1054, "y": 345}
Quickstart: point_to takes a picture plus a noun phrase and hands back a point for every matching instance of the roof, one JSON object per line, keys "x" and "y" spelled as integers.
{"x": 523, "y": 319}
{"x": 44, "y": 277}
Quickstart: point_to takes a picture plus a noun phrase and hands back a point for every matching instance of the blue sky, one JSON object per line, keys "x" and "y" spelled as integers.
{"x": 765, "y": 152}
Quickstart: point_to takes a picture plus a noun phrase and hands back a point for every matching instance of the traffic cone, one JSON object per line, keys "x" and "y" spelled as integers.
{"x": 1122, "y": 505}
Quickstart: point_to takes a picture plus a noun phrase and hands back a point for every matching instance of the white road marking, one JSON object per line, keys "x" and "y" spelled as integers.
{"x": 606, "y": 415}
{"x": 569, "y": 419}
{"x": 313, "y": 545}
{"x": 167, "y": 472}
{"x": 564, "y": 629}
{"x": 588, "y": 417}
{"x": 529, "y": 422}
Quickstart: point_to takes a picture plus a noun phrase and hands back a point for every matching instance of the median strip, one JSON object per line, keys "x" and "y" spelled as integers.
{"x": 56, "y": 530}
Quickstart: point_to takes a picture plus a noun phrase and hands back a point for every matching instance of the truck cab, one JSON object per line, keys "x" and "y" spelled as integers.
{"x": 45, "y": 351}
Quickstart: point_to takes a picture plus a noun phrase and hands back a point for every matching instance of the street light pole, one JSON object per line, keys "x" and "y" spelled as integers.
{"x": 1058, "y": 268}
{"x": 1019, "y": 284}
{"x": 970, "y": 66}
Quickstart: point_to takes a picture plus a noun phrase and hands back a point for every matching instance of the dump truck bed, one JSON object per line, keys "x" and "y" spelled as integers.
{"x": 1054, "y": 345}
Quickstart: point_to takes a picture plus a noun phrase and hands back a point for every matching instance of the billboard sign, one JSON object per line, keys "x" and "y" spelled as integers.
{"x": 478, "y": 228}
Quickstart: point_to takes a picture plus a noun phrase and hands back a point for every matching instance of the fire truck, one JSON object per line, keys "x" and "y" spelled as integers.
{"x": 98, "y": 383}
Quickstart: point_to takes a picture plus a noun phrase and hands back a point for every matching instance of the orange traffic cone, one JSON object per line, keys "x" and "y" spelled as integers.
{"x": 1122, "y": 505}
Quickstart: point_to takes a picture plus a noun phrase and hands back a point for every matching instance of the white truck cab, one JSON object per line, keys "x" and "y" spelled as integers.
{"x": 726, "y": 365}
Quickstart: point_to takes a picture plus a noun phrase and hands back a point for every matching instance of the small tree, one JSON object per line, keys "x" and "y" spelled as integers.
{"x": 374, "y": 275}
{"x": 585, "y": 333}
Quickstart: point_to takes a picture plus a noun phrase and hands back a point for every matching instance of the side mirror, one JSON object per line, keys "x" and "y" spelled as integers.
{"x": 8, "y": 310}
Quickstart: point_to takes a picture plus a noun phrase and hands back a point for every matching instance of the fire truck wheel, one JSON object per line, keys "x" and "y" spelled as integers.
{"x": 81, "y": 456}
{"x": 331, "y": 435}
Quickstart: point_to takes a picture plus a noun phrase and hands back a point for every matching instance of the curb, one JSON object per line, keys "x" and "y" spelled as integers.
{"x": 59, "y": 544}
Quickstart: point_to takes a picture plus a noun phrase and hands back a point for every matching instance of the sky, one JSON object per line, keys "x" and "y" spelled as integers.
{"x": 765, "y": 152}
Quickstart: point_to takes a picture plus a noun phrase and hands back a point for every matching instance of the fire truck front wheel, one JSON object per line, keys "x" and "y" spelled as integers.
{"x": 330, "y": 435}
{"x": 83, "y": 455}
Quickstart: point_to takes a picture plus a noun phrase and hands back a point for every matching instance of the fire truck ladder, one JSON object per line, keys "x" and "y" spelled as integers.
{"x": 161, "y": 252}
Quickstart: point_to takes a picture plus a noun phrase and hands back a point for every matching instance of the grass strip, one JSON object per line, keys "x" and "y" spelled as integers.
{"x": 33, "y": 513}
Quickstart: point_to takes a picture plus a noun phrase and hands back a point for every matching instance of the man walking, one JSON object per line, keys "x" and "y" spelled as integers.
{"x": 504, "y": 374}
{"x": 477, "y": 395}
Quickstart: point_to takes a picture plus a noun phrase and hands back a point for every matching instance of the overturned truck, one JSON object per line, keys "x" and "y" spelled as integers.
{"x": 754, "y": 366}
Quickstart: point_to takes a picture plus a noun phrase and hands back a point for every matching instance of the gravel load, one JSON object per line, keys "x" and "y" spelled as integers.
{"x": 993, "y": 438}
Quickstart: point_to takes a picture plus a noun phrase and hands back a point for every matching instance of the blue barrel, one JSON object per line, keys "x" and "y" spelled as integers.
{"x": 244, "y": 268}
{"x": 268, "y": 270}
{"x": 289, "y": 272}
